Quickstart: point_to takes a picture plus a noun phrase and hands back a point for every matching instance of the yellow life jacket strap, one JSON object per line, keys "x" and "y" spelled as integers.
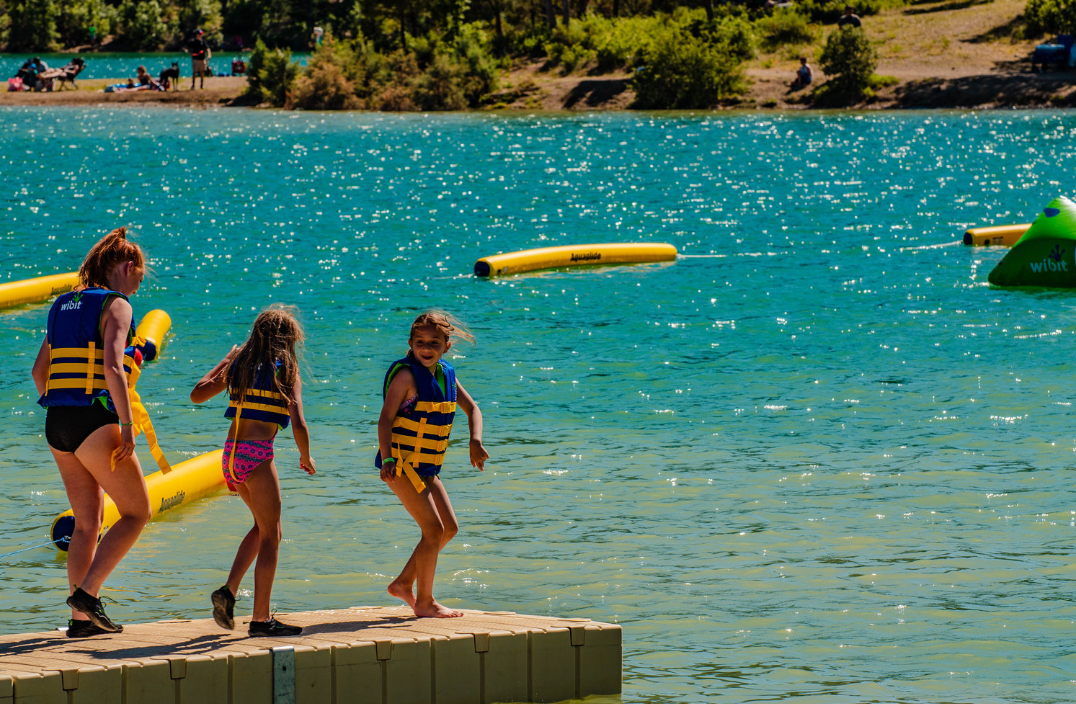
{"x": 91, "y": 358}
{"x": 436, "y": 406}
{"x": 141, "y": 422}
{"x": 405, "y": 465}
{"x": 408, "y": 424}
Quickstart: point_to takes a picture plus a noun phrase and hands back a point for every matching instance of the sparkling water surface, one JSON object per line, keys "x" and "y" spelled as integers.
{"x": 817, "y": 458}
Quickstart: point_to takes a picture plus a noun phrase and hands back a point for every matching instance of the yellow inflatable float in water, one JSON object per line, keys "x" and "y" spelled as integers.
{"x": 995, "y": 235}
{"x": 188, "y": 481}
{"x": 15, "y": 293}
{"x": 154, "y": 326}
{"x": 574, "y": 255}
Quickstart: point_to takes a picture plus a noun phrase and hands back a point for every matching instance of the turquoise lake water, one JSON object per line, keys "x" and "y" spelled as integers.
{"x": 815, "y": 458}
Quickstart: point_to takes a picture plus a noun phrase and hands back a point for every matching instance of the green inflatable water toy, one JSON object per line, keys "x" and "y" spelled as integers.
{"x": 1044, "y": 255}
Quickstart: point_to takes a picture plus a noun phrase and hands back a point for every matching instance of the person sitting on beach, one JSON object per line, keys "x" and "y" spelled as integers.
{"x": 239, "y": 67}
{"x": 29, "y": 71}
{"x": 804, "y": 75}
{"x": 90, "y": 422}
{"x": 262, "y": 378}
{"x": 421, "y": 394}
{"x": 849, "y": 18}
{"x": 146, "y": 80}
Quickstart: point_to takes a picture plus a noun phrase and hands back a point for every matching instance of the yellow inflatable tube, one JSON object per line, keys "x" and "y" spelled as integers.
{"x": 574, "y": 255}
{"x": 154, "y": 326}
{"x": 190, "y": 480}
{"x": 1003, "y": 235}
{"x": 16, "y": 293}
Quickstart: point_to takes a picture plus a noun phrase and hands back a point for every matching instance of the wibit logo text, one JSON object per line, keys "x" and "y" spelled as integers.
{"x": 1054, "y": 261}
{"x": 74, "y": 304}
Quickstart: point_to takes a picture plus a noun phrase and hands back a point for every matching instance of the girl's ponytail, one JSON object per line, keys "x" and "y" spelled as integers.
{"x": 110, "y": 250}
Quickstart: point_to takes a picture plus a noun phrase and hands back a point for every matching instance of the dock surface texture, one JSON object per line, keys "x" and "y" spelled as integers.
{"x": 364, "y": 655}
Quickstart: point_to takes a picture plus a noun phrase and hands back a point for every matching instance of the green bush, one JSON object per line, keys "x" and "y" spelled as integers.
{"x": 271, "y": 75}
{"x": 784, "y": 27}
{"x": 685, "y": 72}
{"x": 323, "y": 86}
{"x": 828, "y": 11}
{"x": 849, "y": 60}
{"x": 736, "y": 34}
{"x": 440, "y": 87}
{"x": 1050, "y": 17}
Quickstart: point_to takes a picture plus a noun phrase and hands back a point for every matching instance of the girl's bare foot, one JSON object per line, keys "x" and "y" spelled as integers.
{"x": 403, "y": 592}
{"x": 435, "y": 610}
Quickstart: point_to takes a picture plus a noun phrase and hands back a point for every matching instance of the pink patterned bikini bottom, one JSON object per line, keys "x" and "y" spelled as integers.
{"x": 248, "y": 455}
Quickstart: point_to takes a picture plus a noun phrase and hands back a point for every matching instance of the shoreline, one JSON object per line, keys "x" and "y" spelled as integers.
{"x": 524, "y": 93}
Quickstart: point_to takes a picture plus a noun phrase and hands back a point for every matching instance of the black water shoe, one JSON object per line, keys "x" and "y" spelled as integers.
{"x": 91, "y": 606}
{"x": 272, "y": 629}
{"x": 85, "y": 629}
{"x": 224, "y": 608}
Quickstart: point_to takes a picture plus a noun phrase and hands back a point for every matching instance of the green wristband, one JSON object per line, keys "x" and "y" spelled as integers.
{"x": 131, "y": 423}
{"x": 387, "y": 461}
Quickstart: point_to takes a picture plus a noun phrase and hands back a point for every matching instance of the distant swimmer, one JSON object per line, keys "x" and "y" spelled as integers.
{"x": 262, "y": 378}
{"x": 421, "y": 394}
{"x": 83, "y": 373}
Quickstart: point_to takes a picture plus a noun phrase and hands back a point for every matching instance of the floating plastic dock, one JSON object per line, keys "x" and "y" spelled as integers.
{"x": 362, "y": 655}
{"x": 16, "y": 293}
{"x": 574, "y": 255}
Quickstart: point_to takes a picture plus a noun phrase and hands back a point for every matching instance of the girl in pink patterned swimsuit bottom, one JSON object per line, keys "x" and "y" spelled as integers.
{"x": 262, "y": 379}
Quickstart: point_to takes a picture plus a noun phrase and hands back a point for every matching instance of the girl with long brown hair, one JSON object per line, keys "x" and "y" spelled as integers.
{"x": 82, "y": 374}
{"x": 420, "y": 398}
{"x": 262, "y": 378}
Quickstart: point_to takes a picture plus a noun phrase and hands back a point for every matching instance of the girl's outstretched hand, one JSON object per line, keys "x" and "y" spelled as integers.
{"x": 478, "y": 454}
{"x": 307, "y": 465}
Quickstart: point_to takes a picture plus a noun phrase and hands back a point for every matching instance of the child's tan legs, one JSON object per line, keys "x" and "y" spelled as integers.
{"x": 263, "y": 490}
{"x": 423, "y": 562}
{"x": 248, "y": 549}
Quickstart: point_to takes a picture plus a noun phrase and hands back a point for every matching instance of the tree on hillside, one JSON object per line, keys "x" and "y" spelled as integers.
{"x": 849, "y": 60}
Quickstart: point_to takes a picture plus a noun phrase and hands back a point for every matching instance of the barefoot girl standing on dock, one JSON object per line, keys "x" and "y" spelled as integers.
{"x": 262, "y": 378}
{"x": 82, "y": 374}
{"x": 421, "y": 393}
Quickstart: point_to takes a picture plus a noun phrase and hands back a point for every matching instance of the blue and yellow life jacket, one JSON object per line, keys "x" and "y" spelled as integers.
{"x": 420, "y": 432}
{"x": 262, "y": 401}
{"x": 76, "y": 350}
{"x": 77, "y": 361}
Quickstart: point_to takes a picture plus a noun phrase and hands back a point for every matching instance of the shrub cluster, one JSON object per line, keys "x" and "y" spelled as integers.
{"x": 601, "y": 45}
{"x": 436, "y": 74}
{"x": 1050, "y": 17}
{"x": 684, "y": 71}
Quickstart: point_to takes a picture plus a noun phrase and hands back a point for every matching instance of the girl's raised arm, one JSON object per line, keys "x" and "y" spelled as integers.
{"x": 299, "y": 430}
{"x": 474, "y": 422}
{"x": 215, "y": 381}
